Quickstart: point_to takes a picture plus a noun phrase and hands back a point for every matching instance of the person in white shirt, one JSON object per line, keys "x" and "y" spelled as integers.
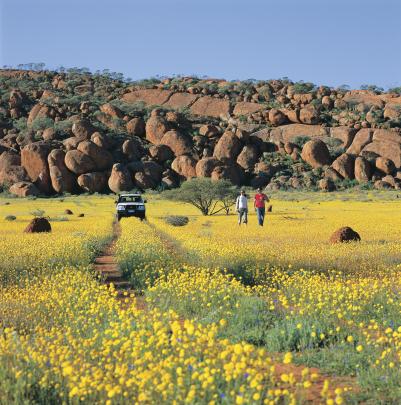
{"x": 241, "y": 206}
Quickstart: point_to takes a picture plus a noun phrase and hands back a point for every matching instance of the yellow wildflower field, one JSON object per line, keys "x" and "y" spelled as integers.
{"x": 228, "y": 310}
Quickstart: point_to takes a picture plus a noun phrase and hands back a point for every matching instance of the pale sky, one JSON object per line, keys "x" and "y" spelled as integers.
{"x": 329, "y": 42}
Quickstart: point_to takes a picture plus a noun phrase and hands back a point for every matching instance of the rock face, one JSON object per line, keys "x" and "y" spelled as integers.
{"x": 62, "y": 179}
{"x": 246, "y": 108}
{"x": 120, "y": 179}
{"x": 79, "y": 163}
{"x": 94, "y": 182}
{"x": 24, "y": 189}
{"x": 148, "y": 96}
{"x": 361, "y": 139}
{"x": 228, "y": 147}
{"x": 179, "y": 143}
{"x": 386, "y": 144}
{"x": 316, "y": 153}
{"x": 211, "y": 107}
{"x": 345, "y": 134}
{"x": 38, "y": 225}
{"x": 290, "y": 132}
{"x": 345, "y": 234}
{"x": 34, "y": 161}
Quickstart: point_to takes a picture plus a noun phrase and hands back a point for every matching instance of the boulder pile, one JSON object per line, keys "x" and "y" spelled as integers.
{"x": 275, "y": 134}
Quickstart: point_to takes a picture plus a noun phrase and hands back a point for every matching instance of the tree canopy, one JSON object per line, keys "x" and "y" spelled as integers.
{"x": 208, "y": 196}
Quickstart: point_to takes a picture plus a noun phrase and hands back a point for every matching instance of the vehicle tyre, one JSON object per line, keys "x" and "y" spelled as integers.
{"x": 118, "y": 217}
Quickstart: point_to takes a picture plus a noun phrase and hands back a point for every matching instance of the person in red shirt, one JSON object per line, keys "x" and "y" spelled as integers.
{"x": 259, "y": 204}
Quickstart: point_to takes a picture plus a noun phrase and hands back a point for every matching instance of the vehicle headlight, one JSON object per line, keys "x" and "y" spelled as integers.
{"x": 141, "y": 207}
{"x": 120, "y": 207}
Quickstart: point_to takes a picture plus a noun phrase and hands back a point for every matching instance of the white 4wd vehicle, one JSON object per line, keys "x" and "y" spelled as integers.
{"x": 130, "y": 205}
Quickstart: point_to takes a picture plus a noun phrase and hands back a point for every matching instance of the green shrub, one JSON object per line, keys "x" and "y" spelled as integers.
{"x": 10, "y": 218}
{"x": 176, "y": 220}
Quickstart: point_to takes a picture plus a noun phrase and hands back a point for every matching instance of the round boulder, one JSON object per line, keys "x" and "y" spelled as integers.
{"x": 179, "y": 143}
{"x": 248, "y": 157}
{"x": 228, "y": 147}
{"x": 161, "y": 153}
{"x": 385, "y": 165}
{"x": 345, "y": 234}
{"x": 156, "y": 127}
{"x": 184, "y": 166}
{"x": 120, "y": 179}
{"x": 24, "y": 189}
{"x": 136, "y": 127}
{"x": 78, "y": 162}
{"x": 62, "y": 179}
{"x": 94, "y": 182}
{"x": 362, "y": 170}
{"x": 344, "y": 165}
{"x": 102, "y": 158}
{"x": 277, "y": 117}
{"x": 37, "y": 225}
{"x": 205, "y": 166}
{"x": 316, "y": 153}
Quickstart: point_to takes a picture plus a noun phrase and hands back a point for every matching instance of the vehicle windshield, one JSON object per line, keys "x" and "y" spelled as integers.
{"x": 130, "y": 198}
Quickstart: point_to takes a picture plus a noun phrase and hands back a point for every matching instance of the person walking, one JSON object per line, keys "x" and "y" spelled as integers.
{"x": 241, "y": 206}
{"x": 259, "y": 204}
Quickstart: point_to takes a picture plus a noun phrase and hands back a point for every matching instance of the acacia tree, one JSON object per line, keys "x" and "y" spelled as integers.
{"x": 208, "y": 196}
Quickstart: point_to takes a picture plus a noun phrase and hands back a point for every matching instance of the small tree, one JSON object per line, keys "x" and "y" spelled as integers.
{"x": 208, "y": 196}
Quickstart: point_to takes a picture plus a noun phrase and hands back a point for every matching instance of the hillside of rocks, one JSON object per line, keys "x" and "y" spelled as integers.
{"x": 73, "y": 131}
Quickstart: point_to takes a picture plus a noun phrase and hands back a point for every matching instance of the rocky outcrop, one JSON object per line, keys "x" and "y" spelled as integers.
{"x": 246, "y": 108}
{"x": 211, "y": 107}
{"x": 147, "y": 96}
{"x": 209, "y": 128}
{"x": 290, "y": 132}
